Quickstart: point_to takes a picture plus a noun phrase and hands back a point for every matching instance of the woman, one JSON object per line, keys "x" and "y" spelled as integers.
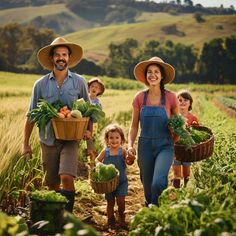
{"x": 152, "y": 109}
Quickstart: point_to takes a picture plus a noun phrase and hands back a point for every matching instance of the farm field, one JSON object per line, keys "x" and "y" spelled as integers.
{"x": 207, "y": 205}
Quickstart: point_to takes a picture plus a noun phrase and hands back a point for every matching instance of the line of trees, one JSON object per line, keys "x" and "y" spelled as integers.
{"x": 213, "y": 64}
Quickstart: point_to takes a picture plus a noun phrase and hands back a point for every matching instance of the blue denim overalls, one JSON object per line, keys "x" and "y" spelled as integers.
{"x": 155, "y": 150}
{"x": 119, "y": 162}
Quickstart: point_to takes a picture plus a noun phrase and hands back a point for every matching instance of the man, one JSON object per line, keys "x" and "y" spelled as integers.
{"x": 59, "y": 157}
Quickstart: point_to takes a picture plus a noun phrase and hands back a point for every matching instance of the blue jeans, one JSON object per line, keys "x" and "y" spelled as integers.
{"x": 155, "y": 157}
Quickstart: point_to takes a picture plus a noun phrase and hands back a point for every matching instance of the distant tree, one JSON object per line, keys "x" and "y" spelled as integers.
{"x": 88, "y": 68}
{"x": 198, "y": 17}
{"x": 184, "y": 58}
{"x": 11, "y": 44}
{"x": 229, "y": 72}
{"x": 121, "y": 60}
{"x": 37, "y": 38}
{"x": 19, "y": 45}
{"x": 212, "y": 62}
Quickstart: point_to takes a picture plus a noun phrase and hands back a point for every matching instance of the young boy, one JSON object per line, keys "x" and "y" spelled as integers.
{"x": 185, "y": 106}
{"x": 96, "y": 88}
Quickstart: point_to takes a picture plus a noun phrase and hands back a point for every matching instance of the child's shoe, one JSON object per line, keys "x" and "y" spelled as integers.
{"x": 186, "y": 179}
{"x": 176, "y": 183}
{"x": 121, "y": 222}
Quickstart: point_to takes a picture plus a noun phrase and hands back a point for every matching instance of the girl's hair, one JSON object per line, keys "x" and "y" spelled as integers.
{"x": 162, "y": 85}
{"x": 114, "y": 128}
{"x": 186, "y": 95}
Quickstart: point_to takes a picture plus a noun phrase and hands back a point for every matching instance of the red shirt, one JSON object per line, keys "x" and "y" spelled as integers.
{"x": 171, "y": 101}
{"x": 192, "y": 119}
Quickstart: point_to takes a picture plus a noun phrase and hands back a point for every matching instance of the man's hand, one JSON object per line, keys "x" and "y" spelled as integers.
{"x": 87, "y": 135}
{"x": 26, "y": 150}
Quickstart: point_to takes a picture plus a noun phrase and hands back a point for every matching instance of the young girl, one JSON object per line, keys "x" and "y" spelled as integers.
{"x": 185, "y": 106}
{"x": 96, "y": 88}
{"x": 114, "y": 153}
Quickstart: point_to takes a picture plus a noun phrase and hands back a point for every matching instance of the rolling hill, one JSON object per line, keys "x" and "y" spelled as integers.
{"x": 181, "y": 28}
{"x": 150, "y": 26}
{"x": 55, "y": 16}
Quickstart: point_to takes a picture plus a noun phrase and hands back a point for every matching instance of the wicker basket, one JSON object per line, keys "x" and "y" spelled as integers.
{"x": 199, "y": 151}
{"x": 105, "y": 187}
{"x": 70, "y": 128}
{"x": 50, "y": 211}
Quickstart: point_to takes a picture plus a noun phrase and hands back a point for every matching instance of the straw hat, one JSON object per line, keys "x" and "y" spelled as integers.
{"x": 96, "y": 79}
{"x": 140, "y": 68}
{"x": 44, "y": 53}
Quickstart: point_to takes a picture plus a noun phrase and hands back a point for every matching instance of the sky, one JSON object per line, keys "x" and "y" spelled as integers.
{"x": 209, "y": 3}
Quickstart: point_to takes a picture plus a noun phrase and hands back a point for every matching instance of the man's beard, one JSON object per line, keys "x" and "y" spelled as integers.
{"x": 60, "y": 67}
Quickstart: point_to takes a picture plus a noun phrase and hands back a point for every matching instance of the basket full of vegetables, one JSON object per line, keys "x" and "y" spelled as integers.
{"x": 104, "y": 178}
{"x": 70, "y": 128}
{"x": 196, "y": 143}
{"x": 68, "y": 124}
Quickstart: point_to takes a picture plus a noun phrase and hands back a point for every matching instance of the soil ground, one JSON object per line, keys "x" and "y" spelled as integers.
{"x": 94, "y": 212}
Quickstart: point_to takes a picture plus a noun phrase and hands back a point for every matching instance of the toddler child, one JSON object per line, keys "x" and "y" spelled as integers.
{"x": 96, "y": 88}
{"x": 115, "y": 153}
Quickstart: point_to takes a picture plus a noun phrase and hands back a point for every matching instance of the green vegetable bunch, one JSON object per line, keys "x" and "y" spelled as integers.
{"x": 198, "y": 135}
{"x": 103, "y": 173}
{"x": 50, "y": 196}
{"x": 177, "y": 125}
{"x": 42, "y": 114}
{"x": 87, "y": 109}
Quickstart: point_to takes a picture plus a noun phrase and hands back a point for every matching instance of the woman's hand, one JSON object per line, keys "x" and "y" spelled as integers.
{"x": 174, "y": 136}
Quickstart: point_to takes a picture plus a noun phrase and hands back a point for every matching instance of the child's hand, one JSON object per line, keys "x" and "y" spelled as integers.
{"x": 130, "y": 157}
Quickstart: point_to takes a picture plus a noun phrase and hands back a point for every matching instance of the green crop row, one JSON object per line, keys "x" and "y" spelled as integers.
{"x": 207, "y": 205}
{"x": 229, "y": 102}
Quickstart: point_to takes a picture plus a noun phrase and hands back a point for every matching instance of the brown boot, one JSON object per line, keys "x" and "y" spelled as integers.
{"x": 111, "y": 223}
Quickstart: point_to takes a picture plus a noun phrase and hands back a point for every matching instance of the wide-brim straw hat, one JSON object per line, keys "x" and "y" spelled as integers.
{"x": 140, "y": 70}
{"x": 75, "y": 56}
{"x": 96, "y": 79}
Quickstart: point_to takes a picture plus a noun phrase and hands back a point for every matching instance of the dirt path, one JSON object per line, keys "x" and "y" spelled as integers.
{"x": 94, "y": 212}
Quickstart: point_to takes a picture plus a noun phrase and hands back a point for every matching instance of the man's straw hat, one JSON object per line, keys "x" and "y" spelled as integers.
{"x": 44, "y": 53}
{"x": 140, "y": 70}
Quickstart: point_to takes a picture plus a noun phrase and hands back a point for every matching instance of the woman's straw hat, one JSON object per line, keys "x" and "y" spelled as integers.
{"x": 96, "y": 79}
{"x": 75, "y": 57}
{"x": 140, "y": 70}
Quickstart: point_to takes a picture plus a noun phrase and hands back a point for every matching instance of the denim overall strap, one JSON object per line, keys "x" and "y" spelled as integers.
{"x": 153, "y": 121}
{"x": 155, "y": 150}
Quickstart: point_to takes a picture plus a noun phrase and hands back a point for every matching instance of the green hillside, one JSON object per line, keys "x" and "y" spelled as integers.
{"x": 149, "y": 26}
{"x": 95, "y": 40}
{"x": 66, "y": 19}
